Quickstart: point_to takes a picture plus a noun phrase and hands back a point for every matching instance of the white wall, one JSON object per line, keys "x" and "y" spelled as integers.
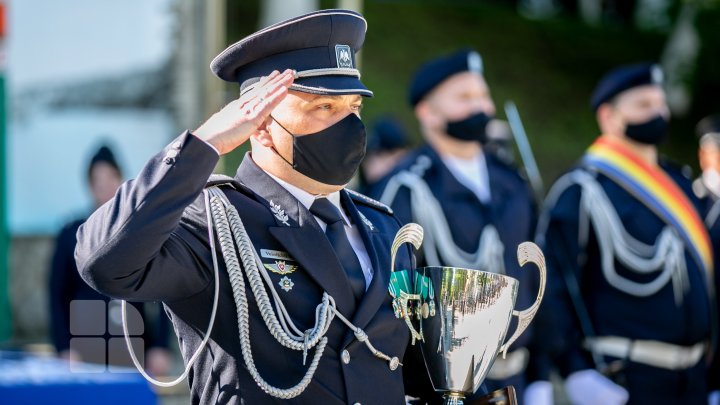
{"x": 54, "y": 42}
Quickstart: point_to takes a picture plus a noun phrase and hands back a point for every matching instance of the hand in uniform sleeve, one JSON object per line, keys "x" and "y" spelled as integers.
{"x": 588, "y": 387}
{"x": 136, "y": 246}
{"x": 539, "y": 393}
{"x": 714, "y": 398}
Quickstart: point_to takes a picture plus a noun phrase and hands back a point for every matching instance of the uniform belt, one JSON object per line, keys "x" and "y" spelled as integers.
{"x": 649, "y": 352}
{"x": 513, "y": 364}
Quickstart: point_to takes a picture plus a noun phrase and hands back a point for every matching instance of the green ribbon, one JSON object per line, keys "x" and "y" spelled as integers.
{"x": 399, "y": 282}
{"x": 422, "y": 285}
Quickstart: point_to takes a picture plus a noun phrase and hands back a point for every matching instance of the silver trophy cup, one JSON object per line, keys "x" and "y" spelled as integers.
{"x": 461, "y": 318}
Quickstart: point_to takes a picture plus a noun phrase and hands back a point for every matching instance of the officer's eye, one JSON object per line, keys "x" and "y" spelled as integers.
{"x": 325, "y": 107}
{"x": 357, "y": 107}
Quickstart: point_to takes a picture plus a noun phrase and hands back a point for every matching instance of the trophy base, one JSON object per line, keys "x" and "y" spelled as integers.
{"x": 453, "y": 398}
{"x": 503, "y": 396}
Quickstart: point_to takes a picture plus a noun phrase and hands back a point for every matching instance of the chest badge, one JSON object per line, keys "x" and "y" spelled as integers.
{"x": 279, "y": 213}
{"x": 366, "y": 221}
{"x": 286, "y": 284}
{"x": 281, "y": 267}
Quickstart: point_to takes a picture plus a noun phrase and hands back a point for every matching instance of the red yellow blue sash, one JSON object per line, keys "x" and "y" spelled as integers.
{"x": 656, "y": 190}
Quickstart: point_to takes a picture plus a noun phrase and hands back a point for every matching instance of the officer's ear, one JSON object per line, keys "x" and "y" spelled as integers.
{"x": 426, "y": 115}
{"x": 606, "y": 119}
{"x": 262, "y": 134}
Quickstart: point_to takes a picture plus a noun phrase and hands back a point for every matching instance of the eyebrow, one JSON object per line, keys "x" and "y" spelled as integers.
{"x": 321, "y": 97}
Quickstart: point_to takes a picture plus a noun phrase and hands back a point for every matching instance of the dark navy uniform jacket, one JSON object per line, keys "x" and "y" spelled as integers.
{"x": 708, "y": 203}
{"x": 616, "y": 313}
{"x": 511, "y": 211}
{"x": 150, "y": 243}
{"x": 65, "y": 285}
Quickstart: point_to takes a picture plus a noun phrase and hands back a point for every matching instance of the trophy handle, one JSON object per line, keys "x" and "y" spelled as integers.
{"x": 412, "y": 233}
{"x": 528, "y": 252}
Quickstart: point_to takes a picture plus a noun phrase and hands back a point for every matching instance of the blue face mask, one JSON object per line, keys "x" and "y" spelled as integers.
{"x": 651, "y": 132}
{"x": 331, "y": 156}
{"x": 471, "y": 128}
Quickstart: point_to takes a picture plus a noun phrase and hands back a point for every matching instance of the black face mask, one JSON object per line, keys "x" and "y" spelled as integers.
{"x": 331, "y": 156}
{"x": 471, "y": 128}
{"x": 651, "y": 132}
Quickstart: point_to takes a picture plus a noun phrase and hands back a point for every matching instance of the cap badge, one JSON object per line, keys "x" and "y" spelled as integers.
{"x": 343, "y": 54}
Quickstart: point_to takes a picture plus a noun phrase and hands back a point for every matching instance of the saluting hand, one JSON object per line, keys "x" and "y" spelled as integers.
{"x": 236, "y": 122}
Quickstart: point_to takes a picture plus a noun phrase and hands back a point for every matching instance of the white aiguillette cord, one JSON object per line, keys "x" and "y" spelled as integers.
{"x": 228, "y": 225}
{"x": 211, "y": 238}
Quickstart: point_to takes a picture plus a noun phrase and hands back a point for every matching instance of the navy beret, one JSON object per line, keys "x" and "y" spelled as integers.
{"x": 388, "y": 134}
{"x": 435, "y": 71}
{"x": 319, "y": 46}
{"x": 625, "y": 78}
{"x": 103, "y": 155}
{"x": 708, "y": 130}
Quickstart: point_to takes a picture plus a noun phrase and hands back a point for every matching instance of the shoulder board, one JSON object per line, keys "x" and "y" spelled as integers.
{"x": 670, "y": 165}
{"x": 221, "y": 180}
{"x": 362, "y": 198}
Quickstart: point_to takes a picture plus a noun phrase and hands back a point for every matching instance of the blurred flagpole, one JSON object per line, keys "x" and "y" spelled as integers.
{"x": 526, "y": 154}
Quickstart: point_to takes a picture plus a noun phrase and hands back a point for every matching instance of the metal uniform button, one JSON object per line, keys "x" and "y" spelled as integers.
{"x": 171, "y": 153}
{"x": 345, "y": 356}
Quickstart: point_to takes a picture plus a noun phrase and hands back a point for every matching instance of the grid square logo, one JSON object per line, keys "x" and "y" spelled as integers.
{"x": 97, "y": 336}
{"x": 87, "y": 317}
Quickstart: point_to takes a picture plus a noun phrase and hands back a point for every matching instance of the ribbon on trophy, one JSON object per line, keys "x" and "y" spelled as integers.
{"x": 399, "y": 286}
{"x": 424, "y": 288}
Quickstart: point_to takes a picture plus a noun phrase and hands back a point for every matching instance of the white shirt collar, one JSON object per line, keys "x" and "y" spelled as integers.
{"x": 472, "y": 173}
{"x": 306, "y": 199}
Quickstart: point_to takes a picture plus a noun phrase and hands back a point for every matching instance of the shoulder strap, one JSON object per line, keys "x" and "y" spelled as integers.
{"x": 365, "y": 200}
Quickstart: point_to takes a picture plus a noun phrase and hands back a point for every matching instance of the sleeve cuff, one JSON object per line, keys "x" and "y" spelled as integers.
{"x": 205, "y": 142}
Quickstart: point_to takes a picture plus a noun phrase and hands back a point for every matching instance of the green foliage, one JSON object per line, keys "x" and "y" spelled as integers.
{"x": 549, "y": 68}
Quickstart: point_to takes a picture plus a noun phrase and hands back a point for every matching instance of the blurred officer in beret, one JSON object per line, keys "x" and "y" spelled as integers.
{"x": 475, "y": 208}
{"x": 629, "y": 260}
{"x": 707, "y": 189}
{"x": 306, "y": 316}
{"x": 707, "y": 186}
{"x": 66, "y": 288}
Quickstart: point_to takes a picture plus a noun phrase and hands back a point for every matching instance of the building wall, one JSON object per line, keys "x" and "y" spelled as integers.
{"x": 29, "y": 264}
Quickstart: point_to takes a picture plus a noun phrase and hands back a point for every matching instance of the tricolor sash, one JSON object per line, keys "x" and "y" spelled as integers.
{"x": 655, "y": 189}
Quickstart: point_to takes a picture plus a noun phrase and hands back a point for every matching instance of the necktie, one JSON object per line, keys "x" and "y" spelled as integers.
{"x": 335, "y": 232}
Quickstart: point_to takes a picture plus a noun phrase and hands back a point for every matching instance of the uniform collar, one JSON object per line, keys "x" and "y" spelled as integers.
{"x": 501, "y": 187}
{"x": 472, "y": 173}
{"x": 282, "y": 198}
{"x": 306, "y": 199}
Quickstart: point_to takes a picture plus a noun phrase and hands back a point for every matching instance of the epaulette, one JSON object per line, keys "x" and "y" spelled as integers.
{"x": 227, "y": 181}
{"x": 674, "y": 166}
{"x": 221, "y": 180}
{"x": 362, "y": 198}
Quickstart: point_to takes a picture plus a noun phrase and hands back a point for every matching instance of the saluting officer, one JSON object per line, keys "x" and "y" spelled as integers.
{"x": 629, "y": 259}
{"x": 475, "y": 209}
{"x": 298, "y": 231}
